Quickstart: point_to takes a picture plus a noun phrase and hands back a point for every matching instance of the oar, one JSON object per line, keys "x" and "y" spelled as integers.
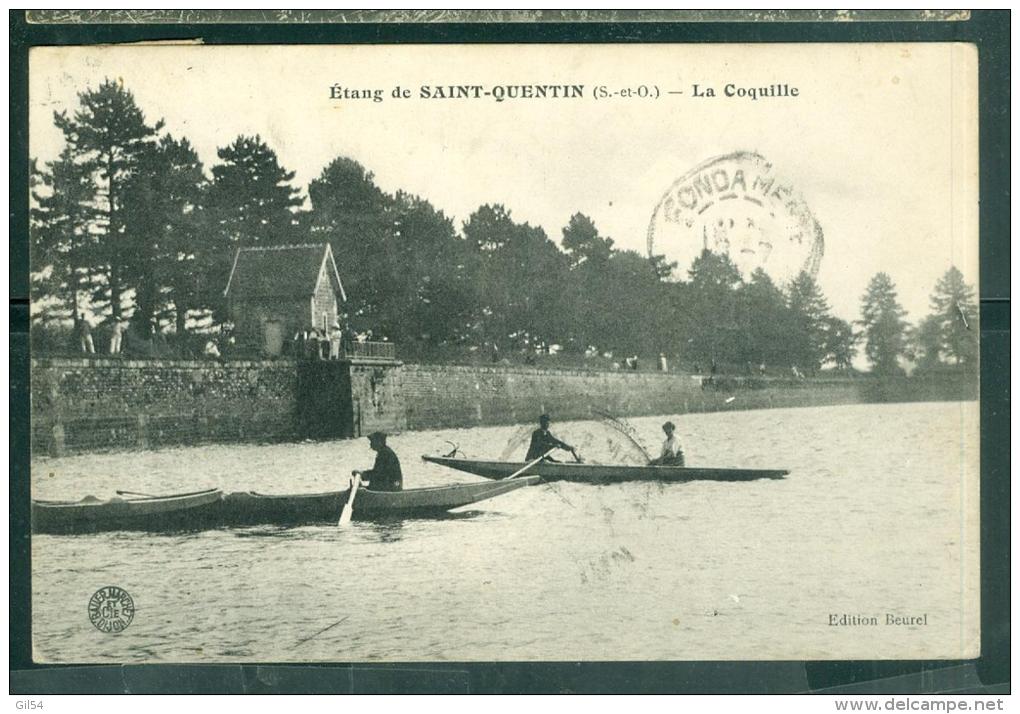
{"x": 135, "y": 493}
{"x": 529, "y": 465}
{"x": 345, "y": 516}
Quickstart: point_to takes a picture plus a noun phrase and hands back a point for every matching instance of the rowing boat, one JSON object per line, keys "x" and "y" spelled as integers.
{"x": 212, "y": 509}
{"x": 602, "y": 473}
{"x": 90, "y": 514}
{"x": 250, "y": 508}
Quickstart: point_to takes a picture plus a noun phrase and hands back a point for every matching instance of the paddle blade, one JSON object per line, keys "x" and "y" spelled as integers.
{"x": 348, "y": 512}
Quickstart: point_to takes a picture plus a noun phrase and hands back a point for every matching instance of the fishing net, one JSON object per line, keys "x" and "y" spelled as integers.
{"x": 608, "y": 440}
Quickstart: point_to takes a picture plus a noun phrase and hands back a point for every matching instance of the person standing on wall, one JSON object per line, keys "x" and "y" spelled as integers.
{"x": 335, "y": 338}
{"x": 347, "y": 338}
{"x": 116, "y": 336}
{"x": 84, "y": 332}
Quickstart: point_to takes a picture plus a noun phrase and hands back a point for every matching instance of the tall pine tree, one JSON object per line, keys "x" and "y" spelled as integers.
{"x": 954, "y": 310}
{"x": 710, "y": 310}
{"x": 61, "y": 218}
{"x": 582, "y": 242}
{"x": 586, "y": 286}
{"x": 251, "y": 202}
{"x": 884, "y": 327}
{"x": 107, "y": 136}
{"x": 356, "y": 217}
{"x": 251, "y": 198}
{"x": 766, "y": 321}
{"x": 518, "y": 282}
{"x": 926, "y": 344}
{"x": 809, "y": 317}
{"x": 169, "y": 243}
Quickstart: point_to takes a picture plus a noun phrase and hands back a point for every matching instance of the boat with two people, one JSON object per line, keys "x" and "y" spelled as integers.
{"x": 669, "y": 467}
{"x": 601, "y": 473}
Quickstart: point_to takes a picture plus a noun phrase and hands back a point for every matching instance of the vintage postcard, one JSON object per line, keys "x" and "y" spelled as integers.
{"x": 504, "y": 352}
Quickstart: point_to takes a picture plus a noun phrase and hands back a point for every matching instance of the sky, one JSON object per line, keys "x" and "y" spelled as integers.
{"x": 880, "y": 145}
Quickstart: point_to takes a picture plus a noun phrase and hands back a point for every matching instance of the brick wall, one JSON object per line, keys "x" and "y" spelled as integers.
{"x": 88, "y": 405}
{"x": 377, "y": 398}
{"x": 461, "y": 396}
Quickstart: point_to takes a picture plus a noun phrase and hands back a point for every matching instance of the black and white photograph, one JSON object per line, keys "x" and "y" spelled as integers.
{"x": 504, "y": 352}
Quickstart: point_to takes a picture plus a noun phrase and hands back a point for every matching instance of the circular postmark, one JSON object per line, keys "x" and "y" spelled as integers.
{"x": 111, "y": 609}
{"x": 736, "y": 205}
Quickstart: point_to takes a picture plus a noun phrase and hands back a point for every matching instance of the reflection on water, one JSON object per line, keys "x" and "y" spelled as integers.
{"x": 876, "y": 516}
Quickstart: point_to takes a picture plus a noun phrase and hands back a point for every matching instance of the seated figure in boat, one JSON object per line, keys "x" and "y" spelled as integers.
{"x": 672, "y": 454}
{"x": 542, "y": 442}
{"x": 385, "y": 475}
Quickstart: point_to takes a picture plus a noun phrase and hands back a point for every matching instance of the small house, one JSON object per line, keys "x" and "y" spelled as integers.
{"x": 275, "y": 292}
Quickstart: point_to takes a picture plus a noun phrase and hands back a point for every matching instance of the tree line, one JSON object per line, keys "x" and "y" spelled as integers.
{"x": 128, "y": 221}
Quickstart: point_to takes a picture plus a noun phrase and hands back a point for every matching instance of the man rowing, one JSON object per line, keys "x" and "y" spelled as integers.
{"x": 542, "y": 442}
{"x": 672, "y": 454}
{"x": 385, "y": 474}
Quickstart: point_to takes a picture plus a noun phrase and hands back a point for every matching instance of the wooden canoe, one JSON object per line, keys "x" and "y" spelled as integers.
{"x": 157, "y": 513}
{"x": 600, "y": 473}
{"x": 249, "y": 508}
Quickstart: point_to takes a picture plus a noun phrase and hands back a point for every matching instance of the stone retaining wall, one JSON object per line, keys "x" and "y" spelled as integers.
{"x": 88, "y": 405}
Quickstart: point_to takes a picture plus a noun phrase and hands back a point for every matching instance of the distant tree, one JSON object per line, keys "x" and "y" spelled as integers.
{"x": 490, "y": 228}
{"x": 170, "y": 247}
{"x": 345, "y": 198}
{"x": 766, "y": 321}
{"x": 586, "y": 286}
{"x": 632, "y": 304}
{"x": 518, "y": 280}
{"x": 884, "y": 327}
{"x": 663, "y": 268}
{"x": 358, "y": 220}
{"x": 714, "y": 272}
{"x": 59, "y": 229}
{"x": 428, "y": 275}
{"x": 250, "y": 202}
{"x": 955, "y": 313}
{"x": 407, "y": 273}
{"x": 710, "y": 314}
{"x": 840, "y": 342}
{"x": 106, "y": 137}
{"x": 810, "y": 320}
{"x": 583, "y": 244}
{"x": 925, "y": 342}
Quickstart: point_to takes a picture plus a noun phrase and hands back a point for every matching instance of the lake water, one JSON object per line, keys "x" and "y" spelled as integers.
{"x": 878, "y": 516}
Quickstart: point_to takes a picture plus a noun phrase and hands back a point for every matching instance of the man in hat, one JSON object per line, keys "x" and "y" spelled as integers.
{"x": 542, "y": 442}
{"x": 385, "y": 474}
{"x": 672, "y": 454}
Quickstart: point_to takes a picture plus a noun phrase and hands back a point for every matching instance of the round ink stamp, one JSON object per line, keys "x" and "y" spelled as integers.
{"x": 737, "y": 205}
{"x": 111, "y": 609}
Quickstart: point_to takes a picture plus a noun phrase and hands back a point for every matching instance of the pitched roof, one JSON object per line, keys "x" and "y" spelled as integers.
{"x": 282, "y": 271}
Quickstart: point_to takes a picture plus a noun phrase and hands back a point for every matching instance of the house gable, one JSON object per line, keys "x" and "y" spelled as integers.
{"x": 282, "y": 272}
{"x": 328, "y": 271}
